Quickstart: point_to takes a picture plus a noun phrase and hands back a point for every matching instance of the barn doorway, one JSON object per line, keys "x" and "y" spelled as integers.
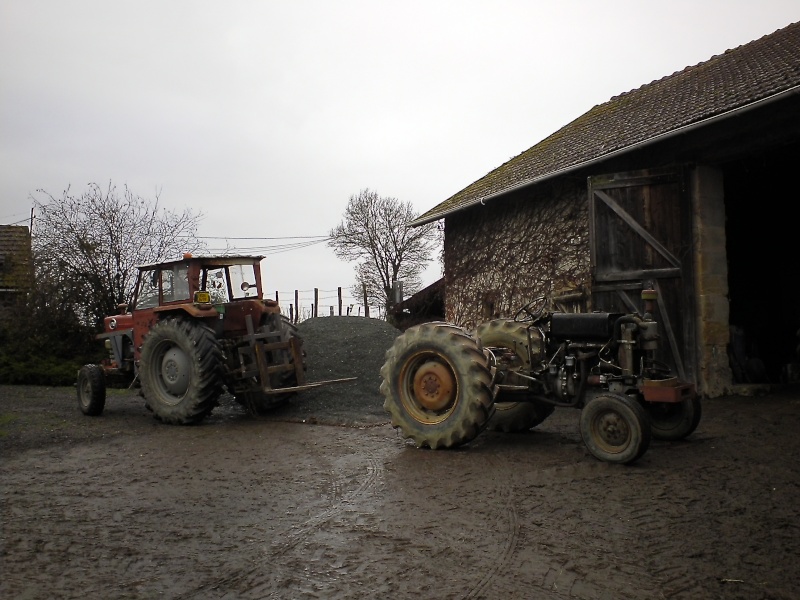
{"x": 763, "y": 247}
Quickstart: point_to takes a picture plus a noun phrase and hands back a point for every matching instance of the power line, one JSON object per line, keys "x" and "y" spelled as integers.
{"x": 273, "y": 249}
{"x": 287, "y": 237}
{"x": 9, "y": 216}
{"x": 18, "y": 222}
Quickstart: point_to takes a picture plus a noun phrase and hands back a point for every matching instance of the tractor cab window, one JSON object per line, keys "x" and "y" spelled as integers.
{"x": 175, "y": 283}
{"x": 147, "y": 293}
{"x": 243, "y": 281}
{"x": 215, "y": 282}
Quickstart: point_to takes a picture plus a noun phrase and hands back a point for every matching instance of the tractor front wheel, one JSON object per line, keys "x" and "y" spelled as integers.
{"x": 91, "y": 390}
{"x": 672, "y": 421}
{"x": 615, "y": 428}
{"x": 180, "y": 371}
{"x": 437, "y": 385}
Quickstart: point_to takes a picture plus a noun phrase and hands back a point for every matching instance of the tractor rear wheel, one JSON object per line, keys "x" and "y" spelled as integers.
{"x": 180, "y": 371}
{"x": 509, "y": 342}
{"x": 673, "y": 421}
{"x": 437, "y": 385}
{"x": 615, "y": 428}
{"x": 91, "y": 390}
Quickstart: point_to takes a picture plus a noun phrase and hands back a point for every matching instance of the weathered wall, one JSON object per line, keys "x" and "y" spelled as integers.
{"x": 501, "y": 255}
{"x": 711, "y": 281}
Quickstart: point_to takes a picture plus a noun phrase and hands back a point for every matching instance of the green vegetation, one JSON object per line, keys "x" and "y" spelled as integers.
{"x": 43, "y": 346}
{"x": 47, "y": 370}
{"x": 84, "y": 250}
{"x": 5, "y": 420}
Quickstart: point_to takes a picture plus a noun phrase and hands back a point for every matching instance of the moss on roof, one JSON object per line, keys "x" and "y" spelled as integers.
{"x": 734, "y": 79}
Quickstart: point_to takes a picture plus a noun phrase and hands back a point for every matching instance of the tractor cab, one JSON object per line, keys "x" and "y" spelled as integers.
{"x": 198, "y": 280}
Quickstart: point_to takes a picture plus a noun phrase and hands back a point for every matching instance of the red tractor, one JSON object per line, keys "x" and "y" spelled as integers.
{"x": 196, "y": 327}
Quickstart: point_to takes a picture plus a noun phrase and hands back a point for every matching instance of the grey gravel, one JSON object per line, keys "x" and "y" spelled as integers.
{"x": 339, "y": 347}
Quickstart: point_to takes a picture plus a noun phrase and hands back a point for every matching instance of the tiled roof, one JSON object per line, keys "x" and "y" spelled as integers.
{"x": 738, "y": 78}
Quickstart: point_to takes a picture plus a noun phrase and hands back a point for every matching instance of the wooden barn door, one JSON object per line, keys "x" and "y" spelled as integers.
{"x": 640, "y": 235}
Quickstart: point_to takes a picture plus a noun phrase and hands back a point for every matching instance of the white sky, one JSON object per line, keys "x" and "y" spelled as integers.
{"x": 267, "y": 116}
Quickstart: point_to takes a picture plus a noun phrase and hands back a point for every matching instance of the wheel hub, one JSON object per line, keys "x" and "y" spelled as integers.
{"x": 613, "y": 429}
{"x": 434, "y": 385}
{"x": 175, "y": 371}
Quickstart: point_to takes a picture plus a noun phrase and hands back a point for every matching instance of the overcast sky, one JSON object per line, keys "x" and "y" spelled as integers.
{"x": 267, "y": 116}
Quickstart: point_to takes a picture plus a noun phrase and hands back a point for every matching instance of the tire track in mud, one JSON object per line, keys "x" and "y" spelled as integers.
{"x": 626, "y": 528}
{"x": 744, "y": 510}
{"x": 557, "y": 547}
{"x": 261, "y": 580}
{"x": 506, "y": 491}
{"x": 298, "y": 533}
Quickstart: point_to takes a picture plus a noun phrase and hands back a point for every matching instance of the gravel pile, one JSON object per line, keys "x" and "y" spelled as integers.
{"x": 338, "y": 347}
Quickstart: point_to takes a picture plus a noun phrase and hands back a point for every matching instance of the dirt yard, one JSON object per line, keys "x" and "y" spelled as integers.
{"x": 322, "y": 499}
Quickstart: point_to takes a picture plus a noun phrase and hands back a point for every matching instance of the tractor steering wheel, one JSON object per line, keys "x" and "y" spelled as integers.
{"x": 533, "y": 310}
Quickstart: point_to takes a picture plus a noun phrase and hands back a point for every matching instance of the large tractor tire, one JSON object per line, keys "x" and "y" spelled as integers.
{"x": 615, "y": 428}
{"x": 672, "y": 421}
{"x": 180, "y": 371}
{"x": 249, "y": 393}
{"x": 508, "y": 340}
{"x": 437, "y": 385}
{"x": 91, "y": 390}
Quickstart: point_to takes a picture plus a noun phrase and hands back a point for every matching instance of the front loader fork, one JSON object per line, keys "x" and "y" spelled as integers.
{"x": 254, "y": 362}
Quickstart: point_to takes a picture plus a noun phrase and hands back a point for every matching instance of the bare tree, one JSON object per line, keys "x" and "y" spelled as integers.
{"x": 375, "y": 231}
{"x": 86, "y": 247}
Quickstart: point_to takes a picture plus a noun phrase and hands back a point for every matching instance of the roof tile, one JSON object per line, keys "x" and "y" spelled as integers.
{"x": 727, "y": 81}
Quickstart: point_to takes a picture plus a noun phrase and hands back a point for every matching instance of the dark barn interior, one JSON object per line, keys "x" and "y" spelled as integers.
{"x": 763, "y": 266}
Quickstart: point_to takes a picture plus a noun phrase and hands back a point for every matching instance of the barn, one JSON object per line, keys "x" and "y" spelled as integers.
{"x": 683, "y": 185}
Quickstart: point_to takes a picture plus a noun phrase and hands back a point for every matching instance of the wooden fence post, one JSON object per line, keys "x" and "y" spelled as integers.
{"x": 366, "y": 306}
{"x": 296, "y": 306}
{"x": 316, "y": 301}
{"x": 340, "y": 301}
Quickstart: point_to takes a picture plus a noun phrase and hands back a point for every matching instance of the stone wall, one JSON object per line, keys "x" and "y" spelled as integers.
{"x": 501, "y": 255}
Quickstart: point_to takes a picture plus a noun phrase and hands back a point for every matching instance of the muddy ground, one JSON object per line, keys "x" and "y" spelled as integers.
{"x": 322, "y": 499}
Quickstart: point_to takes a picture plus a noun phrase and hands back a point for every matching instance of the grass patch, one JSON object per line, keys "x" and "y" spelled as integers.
{"x": 5, "y": 420}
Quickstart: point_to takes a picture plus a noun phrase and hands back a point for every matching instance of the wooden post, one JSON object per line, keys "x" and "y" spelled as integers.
{"x": 340, "y": 301}
{"x": 332, "y": 312}
{"x": 316, "y": 301}
{"x": 291, "y": 313}
{"x": 276, "y": 297}
{"x": 366, "y": 306}
{"x": 296, "y": 306}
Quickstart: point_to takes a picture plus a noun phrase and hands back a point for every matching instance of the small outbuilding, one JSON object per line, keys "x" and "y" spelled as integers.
{"x": 15, "y": 267}
{"x": 683, "y": 185}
